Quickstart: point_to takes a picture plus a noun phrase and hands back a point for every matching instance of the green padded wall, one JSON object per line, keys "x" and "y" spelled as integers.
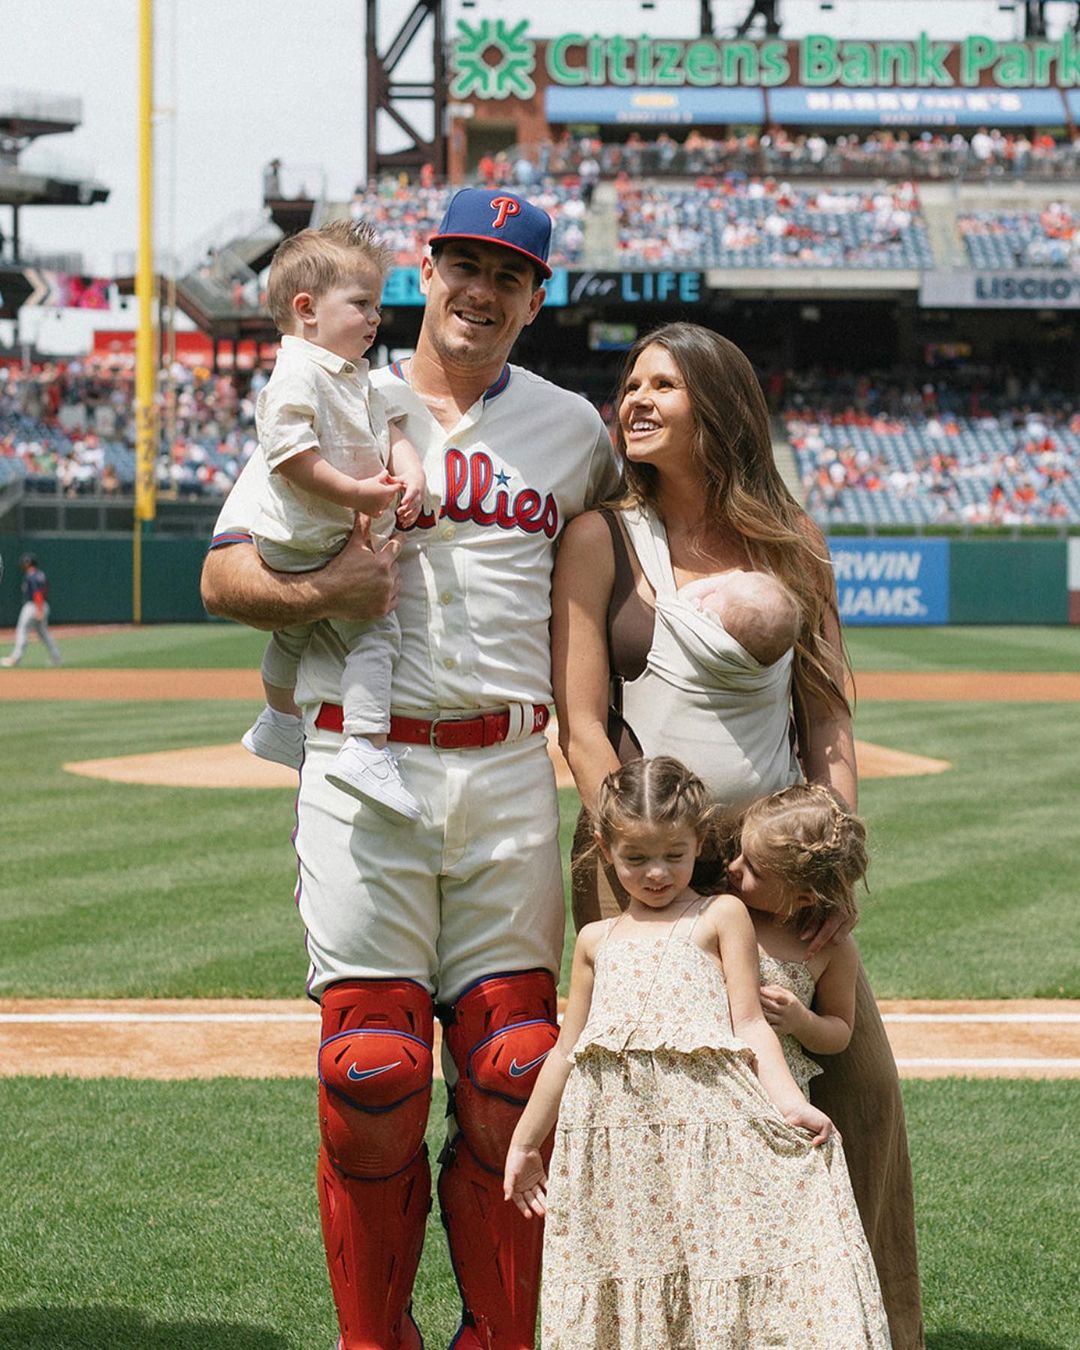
{"x": 90, "y": 578}
{"x": 1008, "y": 581}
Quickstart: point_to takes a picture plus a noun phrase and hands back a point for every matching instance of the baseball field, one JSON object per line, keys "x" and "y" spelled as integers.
{"x": 156, "y": 1060}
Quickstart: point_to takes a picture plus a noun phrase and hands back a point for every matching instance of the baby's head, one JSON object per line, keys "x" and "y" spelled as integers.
{"x": 759, "y": 612}
{"x": 801, "y": 856}
{"x": 326, "y": 285}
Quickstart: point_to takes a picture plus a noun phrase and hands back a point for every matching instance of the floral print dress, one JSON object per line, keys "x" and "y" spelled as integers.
{"x": 796, "y": 976}
{"x": 682, "y": 1211}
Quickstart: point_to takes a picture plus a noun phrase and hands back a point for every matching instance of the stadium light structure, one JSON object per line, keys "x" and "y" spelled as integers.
{"x": 386, "y": 94}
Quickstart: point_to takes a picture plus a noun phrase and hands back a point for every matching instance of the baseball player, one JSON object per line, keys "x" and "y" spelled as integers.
{"x": 34, "y": 615}
{"x": 460, "y": 915}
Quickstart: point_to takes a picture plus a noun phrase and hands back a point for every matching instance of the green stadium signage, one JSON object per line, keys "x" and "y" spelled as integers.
{"x": 491, "y": 59}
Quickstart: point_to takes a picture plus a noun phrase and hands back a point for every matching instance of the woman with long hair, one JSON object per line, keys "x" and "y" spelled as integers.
{"x": 697, "y": 617}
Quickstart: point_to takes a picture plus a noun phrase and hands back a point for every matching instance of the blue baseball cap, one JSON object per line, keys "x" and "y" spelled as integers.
{"x": 498, "y": 217}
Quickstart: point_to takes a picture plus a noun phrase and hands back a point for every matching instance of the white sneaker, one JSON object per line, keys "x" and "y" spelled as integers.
{"x": 276, "y": 736}
{"x": 9, "y": 661}
{"x": 364, "y": 771}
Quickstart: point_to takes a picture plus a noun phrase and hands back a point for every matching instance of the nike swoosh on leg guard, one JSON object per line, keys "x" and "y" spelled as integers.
{"x": 517, "y": 1070}
{"x": 358, "y": 1075}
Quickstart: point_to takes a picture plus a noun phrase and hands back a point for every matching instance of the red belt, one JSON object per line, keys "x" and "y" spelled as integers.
{"x": 458, "y": 732}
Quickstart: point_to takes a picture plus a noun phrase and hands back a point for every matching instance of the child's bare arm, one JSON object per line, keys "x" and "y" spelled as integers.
{"x": 831, "y": 1021}
{"x": 739, "y": 956}
{"x": 826, "y": 1028}
{"x": 309, "y": 471}
{"x": 525, "y": 1178}
{"x": 405, "y": 464}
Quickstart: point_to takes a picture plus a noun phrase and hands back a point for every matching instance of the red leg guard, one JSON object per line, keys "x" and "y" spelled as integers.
{"x": 501, "y": 1031}
{"x": 375, "y": 1071}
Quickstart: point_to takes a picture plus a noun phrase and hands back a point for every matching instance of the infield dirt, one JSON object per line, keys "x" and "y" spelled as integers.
{"x": 237, "y": 1038}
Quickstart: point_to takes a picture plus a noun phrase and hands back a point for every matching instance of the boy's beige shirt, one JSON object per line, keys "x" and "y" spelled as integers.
{"x": 316, "y": 400}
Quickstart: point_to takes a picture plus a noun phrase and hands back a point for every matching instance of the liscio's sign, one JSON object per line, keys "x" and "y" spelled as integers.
{"x": 491, "y": 59}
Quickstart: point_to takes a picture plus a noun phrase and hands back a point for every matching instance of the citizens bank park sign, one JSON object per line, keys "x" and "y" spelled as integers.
{"x": 494, "y": 59}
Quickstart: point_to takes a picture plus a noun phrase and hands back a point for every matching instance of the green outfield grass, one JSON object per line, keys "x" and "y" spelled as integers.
{"x": 178, "y": 645}
{"x": 1011, "y": 648}
{"x": 150, "y": 1216}
{"x": 116, "y": 889}
{"x": 121, "y": 890}
{"x": 955, "y": 648}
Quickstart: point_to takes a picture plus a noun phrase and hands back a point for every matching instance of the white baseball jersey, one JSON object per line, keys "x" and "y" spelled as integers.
{"x": 475, "y": 887}
{"x": 475, "y": 574}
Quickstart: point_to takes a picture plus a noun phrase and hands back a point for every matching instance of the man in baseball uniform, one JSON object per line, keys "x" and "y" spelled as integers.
{"x": 460, "y": 915}
{"x": 34, "y": 614}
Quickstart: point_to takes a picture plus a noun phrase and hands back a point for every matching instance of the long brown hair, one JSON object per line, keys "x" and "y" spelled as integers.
{"x": 743, "y": 488}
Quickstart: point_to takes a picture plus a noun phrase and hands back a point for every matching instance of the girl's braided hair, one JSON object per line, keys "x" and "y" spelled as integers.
{"x": 804, "y": 835}
{"x": 660, "y": 791}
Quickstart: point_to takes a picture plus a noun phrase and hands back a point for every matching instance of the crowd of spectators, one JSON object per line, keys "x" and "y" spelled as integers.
{"x": 1006, "y": 239}
{"x": 869, "y": 448}
{"x": 1013, "y": 467}
{"x": 407, "y": 214}
{"x": 741, "y": 221}
{"x": 987, "y": 153}
{"x": 69, "y": 428}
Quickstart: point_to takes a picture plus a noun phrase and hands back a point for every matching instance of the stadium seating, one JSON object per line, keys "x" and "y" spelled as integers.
{"x": 407, "y": 215}
{"x": 925, "y": 470}
{"x": 983, "y": 156}
{"x": 759, "y": 223}
{"x": 46, "y": 440}
{"x": 1008, "y": 239}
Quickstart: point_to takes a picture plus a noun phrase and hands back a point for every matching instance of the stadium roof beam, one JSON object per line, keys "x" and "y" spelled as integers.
{"x": 384, "y": 93}
{"x": 1034, "y": 19}
{"x": 765, "y": 10}
{"x": 1035, "y": 16}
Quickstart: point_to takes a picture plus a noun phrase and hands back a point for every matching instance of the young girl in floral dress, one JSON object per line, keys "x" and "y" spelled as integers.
{"x": 696, "y": 1199}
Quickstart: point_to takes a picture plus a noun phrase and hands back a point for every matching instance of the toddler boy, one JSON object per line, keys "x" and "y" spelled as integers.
{"x": 331, "y": 453}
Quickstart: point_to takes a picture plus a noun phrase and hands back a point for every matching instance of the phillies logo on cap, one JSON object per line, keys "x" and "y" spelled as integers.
{"x": 501, "y": 218}
{"x": 504, "y": 206}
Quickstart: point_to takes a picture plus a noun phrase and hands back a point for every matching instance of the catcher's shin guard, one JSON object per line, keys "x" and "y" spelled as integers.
{"x": 374, "y": 1182}
{"x": 499, "y": 1033}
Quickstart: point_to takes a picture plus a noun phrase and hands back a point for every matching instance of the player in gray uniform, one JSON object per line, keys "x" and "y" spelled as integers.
{"x": 463, "y": 913}
{"x": 34, "y": 614}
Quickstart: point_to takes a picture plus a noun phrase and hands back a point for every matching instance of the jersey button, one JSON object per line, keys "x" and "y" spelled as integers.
{"x": 448, "y": 532}
{"x": 446, "y": 598}
{"x": 449, "y": 662}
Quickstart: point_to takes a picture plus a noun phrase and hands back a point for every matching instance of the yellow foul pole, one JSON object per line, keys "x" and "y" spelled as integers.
{"x": 145, "y": 360}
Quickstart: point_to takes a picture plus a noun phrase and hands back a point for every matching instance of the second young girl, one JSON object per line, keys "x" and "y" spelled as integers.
{"x": 801, "y": 857}
{"x": 694, "y": 1199}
